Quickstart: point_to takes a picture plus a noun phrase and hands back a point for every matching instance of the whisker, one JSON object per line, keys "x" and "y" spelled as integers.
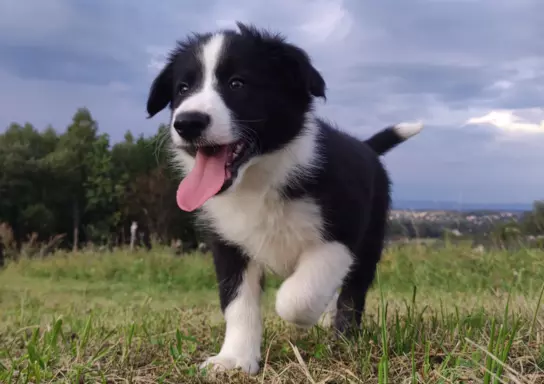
{"x": 248, "y": 136}
{"x": 248, "y": 121}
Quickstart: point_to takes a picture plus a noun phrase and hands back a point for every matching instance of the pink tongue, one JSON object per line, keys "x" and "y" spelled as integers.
{"x": 203, "y": 181}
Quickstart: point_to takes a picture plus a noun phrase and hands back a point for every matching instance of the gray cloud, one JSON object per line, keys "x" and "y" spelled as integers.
{"x": 441, "y": 61}
{"x": 60, "y": 64}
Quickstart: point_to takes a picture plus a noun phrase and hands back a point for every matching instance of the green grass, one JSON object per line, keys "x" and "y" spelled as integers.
{"x": 433, "y": 316}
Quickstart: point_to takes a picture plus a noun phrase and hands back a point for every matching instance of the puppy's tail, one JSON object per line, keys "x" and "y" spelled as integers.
{"x": 390, "y": 137}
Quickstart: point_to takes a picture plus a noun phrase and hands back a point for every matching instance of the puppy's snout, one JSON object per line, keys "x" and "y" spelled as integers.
{"x": 191, "y": 125}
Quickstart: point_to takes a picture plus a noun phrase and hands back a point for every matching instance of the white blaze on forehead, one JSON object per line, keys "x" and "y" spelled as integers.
{"x": 211, "y": 53}
{"x": 206, "y": 98}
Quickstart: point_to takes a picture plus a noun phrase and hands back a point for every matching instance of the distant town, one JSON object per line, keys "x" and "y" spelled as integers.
{"x": 446, "y": 216}
{"x": 428, "y": 205}
{"x": 434, "y": 223}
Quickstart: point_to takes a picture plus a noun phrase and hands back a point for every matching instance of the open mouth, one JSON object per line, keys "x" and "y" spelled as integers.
{"x": 216, "y": 167}
{"x": 237, "y": 154}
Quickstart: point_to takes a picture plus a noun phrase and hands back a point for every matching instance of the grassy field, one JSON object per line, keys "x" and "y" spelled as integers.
{"x": 434, "y": 316}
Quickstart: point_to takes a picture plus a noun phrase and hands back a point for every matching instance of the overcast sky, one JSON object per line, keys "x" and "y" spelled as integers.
{"x": 471, "y": 70}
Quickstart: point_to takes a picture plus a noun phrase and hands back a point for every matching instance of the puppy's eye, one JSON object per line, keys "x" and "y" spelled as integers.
{"x": 236, "y": 83}
{"x": 183, "y": 88}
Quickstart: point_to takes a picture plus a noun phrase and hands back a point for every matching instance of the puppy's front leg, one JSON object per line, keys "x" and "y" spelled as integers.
{"x": 304, "y": 296}
{"x": 239, "y": 293}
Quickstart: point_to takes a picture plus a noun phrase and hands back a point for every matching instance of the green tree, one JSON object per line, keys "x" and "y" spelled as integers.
{"x": 532, "y": 222}
{"x": 76, "y": 182}
{"x": 72, "y": 159}
{"x": 23, "y": 180}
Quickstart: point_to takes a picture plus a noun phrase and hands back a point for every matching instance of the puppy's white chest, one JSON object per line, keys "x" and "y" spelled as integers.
{"x": 270, "y": 229}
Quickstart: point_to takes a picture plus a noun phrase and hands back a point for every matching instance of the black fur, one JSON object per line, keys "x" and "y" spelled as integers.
{"x": 280, "y": 83}
{"x": 384, "y": 140}
{"x": 230, "y": 264}
{"x": 352, "y": 189}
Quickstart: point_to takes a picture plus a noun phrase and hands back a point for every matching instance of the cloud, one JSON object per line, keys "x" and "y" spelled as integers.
{"x": 444, "y": 62}
{"x": 328, "y": 22}
{"x": 34, "y": 20}
{"x": 65, "y": 65}
{"x": 157, "y": 58}
{"x": 44, "y": 102}
{"x": 510, "y": 121}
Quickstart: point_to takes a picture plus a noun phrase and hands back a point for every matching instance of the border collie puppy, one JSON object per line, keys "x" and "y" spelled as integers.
{"x": 278, "y": 188}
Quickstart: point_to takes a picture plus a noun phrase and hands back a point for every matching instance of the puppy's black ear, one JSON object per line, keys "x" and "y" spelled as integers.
{"x": 294, "y": 61}
{"x": 313, "y": 81}
{"x": 160, "y": 94}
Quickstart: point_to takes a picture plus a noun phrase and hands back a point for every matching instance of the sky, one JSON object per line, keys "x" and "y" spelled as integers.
{"x": 471, "y": 70}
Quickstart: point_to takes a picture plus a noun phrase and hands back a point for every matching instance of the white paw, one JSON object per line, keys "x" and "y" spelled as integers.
{"x": 299, "y": 307}
{"x": 221, "y": 363}
{"x": 327, "y": 318}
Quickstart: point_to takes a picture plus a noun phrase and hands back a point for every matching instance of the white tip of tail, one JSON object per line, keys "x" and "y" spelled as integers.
{"x": 407, "y": 130}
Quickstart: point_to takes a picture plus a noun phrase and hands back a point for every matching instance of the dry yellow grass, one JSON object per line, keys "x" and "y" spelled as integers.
{"x": 151, "y": 318}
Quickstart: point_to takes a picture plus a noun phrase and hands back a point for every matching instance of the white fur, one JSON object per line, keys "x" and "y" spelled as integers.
{"x": 207, "y": 99}
{"x": 327, "y": 318}
{"x": 242, "y": 345}
{"x": 253, "y": 214}
{"x": 305, "y": 295}
{"x": 406, "y": 130}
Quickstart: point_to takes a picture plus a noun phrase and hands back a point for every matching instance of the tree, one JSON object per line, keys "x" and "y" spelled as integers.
{"x": 22, "y": 204}
{"x": 72, "y": 159}
{"x": 77, "y": 183}
{"x": 532, "y": 222}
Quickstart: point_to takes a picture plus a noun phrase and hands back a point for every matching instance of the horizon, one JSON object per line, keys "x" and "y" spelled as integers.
{"x": 445, "y": 205}
{"x": 395, "y": 200}
{"x": 477, "y": 89}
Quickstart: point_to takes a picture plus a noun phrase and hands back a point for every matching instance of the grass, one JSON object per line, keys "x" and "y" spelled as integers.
{"x": 434, "y": 316}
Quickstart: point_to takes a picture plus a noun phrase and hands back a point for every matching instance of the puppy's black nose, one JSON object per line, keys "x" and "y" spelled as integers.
{"x": 190, "y": 125}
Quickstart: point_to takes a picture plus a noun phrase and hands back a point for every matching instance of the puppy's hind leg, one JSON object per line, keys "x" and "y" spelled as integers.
{"x": 351, "y": 303}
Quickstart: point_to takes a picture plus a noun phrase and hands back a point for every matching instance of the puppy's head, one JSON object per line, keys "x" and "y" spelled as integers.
{"x": 234, "y": 96}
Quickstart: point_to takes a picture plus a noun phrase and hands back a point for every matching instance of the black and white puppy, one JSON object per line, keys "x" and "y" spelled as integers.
{"x": 279, "y": 188}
